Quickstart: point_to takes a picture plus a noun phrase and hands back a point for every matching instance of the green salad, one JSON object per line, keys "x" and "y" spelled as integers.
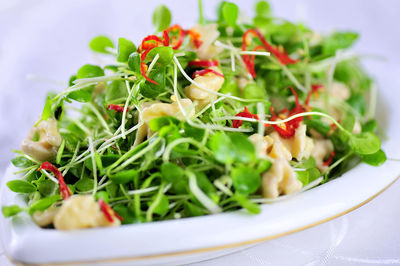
{"x": 228, "y": 114}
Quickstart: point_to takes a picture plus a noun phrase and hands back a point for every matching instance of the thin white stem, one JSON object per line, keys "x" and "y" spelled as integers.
{"x": 152, "y": 64}
{"x": 94, "y": 170}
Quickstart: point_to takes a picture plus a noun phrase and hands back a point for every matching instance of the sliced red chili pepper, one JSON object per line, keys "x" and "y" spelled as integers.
{"x": 178, "y": 42}
{"x": 150, "y": 42}
{"x": 203, "y": 63}
{"x": 282, "y": 56}
{"x": 108, "y": 211}
{"x": 244, "y": 113}
{"x": 330, "y": 159}
{"x": 206, "y": 71}
{"x": 166, "y": 38}
{"x": 64, "y": 190}
{"x": 117, "y": 108}
{"x": 142, "y": 66}
{"x": 195, "y": 36}
{"x": 296, "y": 110}
{"x": 285, "y": 130}
{"x": 314, "y": 89}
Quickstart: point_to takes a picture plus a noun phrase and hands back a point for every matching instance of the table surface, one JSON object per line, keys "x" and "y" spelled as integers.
{"x": 42, "y": 42}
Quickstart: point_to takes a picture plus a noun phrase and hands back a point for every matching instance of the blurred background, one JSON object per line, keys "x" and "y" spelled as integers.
{"x": 43, "y": 42}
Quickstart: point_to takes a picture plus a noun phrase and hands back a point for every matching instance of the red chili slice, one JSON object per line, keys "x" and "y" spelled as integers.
{"x": 142, "y": 66}
{"x": 166, "y": 38}
{"x": 195, "y": 36}
{"x": 65, "y": 192}
{"x": 179, "y": 41}
{"x": 282, "y": 56}
{"x": 285, "y": 130}
{"x": 314, "y": 89}
{"x": 203, "y": 63}
{"x": 206, "y": 71}
{"x": 244, "y": 113}
{"x": 108, "y": 211}
{"x": 117, "y": 108}
{"x": 330, "y": 159}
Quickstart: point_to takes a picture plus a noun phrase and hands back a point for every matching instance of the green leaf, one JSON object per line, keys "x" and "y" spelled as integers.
{"x": 134, "y": 62}
{"x": 194, "y": 132}
{"x": 43, "y": 204}
{"x": 11, "y": 210}
{"x": 84, "y": 184}
{"x": 230, "y": 12}
{"x": 230, "y": 86}
{"x": 242, "y": 148}
{"x": 370, "y": 126}
{"x": 375, "y": 159}
{"x": 100, "y": 44}
{"x": 47, "y": 187}
{"x": 116, "y": 90}
{"x": 263, "y": 9}
{"x": 126, "y": 213}
{"x": 171, "y": 172}
{"x": 348, "y": 121}
{"x": 357, "y": 102}
{"x": 229, "y": 148}
{"x": 365, "y": 143}
{"x": 124, "y": 177}
{"x": 161, "y": 17}
{"x": 247, "y": 204}
{"x": 263, "y": 165}
{"x": 162, "y": 207}
{"x": 125, "y": 48}
{"x": 21, "y": 161}
{"x": 166, "y": 54}
{"x": 303, "y": 176}
{"x": 21, "y": 186}
{"x": 101, "y": 195}
{"x": 318, "y": 125}
{"x": 157, "y": 123}
{"x": 245, "y": 180}
{"x": 89, "y": 71}
{"x": 193, "y": 210}
{"x": 253, "y": 91}
{"x": 338, "y": 40}
{"x": 46, "y": 114}
{"x": 221, "y": 144}
{"x": 82, "y": 96}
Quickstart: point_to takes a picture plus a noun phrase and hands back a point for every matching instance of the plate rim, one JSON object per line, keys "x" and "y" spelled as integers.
{"x": 205, "y": 249}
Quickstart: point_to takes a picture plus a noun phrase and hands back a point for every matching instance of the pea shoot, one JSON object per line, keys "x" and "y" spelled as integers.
{"x": 201, "y": 120}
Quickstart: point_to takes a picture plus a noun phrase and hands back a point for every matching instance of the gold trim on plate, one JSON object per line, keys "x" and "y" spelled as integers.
{"x": 215, "y": 248}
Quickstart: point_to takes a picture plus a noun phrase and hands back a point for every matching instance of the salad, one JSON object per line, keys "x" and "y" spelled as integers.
{"x": 228, "y": 114}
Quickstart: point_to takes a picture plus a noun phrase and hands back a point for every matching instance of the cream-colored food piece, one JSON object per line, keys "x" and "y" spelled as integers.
{"x": 46, "y": 217}
{"x": 209, "y": 81}
{"x": 208, "y": 35}
{"x": 271, "y": 147}
{"x": 300, "y": 145}
{"x": 155, "y": 110}
{"x": 322, "y": 149}
{"x": 280, "y": 179}
{"x": 168, "y": 109}
{"x": 48, "y": 143}
{"x": 339, "y": 91}
{"x": 82, "y": 211}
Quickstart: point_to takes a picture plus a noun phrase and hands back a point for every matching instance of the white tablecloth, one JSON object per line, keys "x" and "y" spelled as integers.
{"x": 46, "y": 41}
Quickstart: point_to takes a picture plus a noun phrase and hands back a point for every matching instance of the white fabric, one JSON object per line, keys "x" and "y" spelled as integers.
{"x": 50, "y": 40}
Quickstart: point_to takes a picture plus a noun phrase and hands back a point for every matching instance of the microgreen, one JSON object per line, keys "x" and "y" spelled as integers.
{"x": 151, "y": 164}
{"x": 100, "y": 44}
{"x": 161, "y": 18}
{"x": 230, "y": 11}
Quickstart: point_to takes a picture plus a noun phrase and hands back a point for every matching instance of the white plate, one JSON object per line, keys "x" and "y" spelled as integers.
{"x": 189, "y": 239}
{"x": 194, "y": 239}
